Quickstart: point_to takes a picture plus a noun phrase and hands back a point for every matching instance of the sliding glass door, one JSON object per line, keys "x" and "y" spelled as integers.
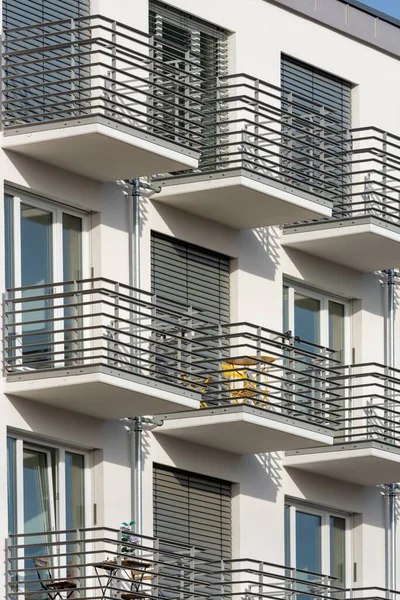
{"x": 316, "y": 541}
{"x": 46, "y": 489}
{"x": 44, "y": 247}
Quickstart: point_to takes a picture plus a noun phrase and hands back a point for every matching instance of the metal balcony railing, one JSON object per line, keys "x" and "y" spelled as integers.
{"x": 370, "y": 182}
{"x": 73, "y": 325}
{"x": 104, "y": 563}
{"x": 271, "y": 371}
{"x": 370, "y": 405}
{"x": 91, "y": 322}
{"x": 91, "y": 68}
{"x": 273, "y": 135}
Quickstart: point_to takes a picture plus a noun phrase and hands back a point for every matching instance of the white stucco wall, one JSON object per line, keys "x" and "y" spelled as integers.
{"x": 260, "y": 32}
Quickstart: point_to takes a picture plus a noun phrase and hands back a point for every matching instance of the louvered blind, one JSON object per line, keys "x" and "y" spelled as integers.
{"x": 202, "y": 43}
{"x": 192, "y": 275}
{"x": 321, "y": 102}
{"x": 19, "y": 13}
{"x": 194, "y": 510}
{"x": 41, "y": 83}
{"x": 317, "y": 86}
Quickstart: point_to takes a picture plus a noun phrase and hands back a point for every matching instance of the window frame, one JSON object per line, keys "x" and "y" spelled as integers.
{"x": 324, "y": 298}
{"x": 325, "y": 514}
{"x": 58, "y": 482}
{"x": 57, "y": 211}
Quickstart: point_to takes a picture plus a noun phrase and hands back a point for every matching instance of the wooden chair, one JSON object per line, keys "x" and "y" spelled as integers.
{"x": 242, "y": 381}
{"x": 53, "y": 587}
{"x": 137, "y": 578}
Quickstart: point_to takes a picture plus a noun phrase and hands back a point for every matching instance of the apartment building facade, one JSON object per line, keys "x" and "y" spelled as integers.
{"x": 201, "y": 204}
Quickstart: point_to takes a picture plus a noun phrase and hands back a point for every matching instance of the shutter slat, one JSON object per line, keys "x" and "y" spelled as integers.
{"x": 193, "y": 509}
{"x": 190, "y": 274}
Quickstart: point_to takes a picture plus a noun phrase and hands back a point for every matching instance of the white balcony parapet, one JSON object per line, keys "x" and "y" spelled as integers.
{"x": 99, "y": 98}
{"x": 269, "y": 156}
{"x": 366, "y": 448}
{"x": 363, "y": 232}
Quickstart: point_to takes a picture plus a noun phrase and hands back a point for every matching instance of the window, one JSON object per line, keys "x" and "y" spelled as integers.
{"x": 317, "y": 541}
{"x": 46, "y": 487}
{"x": 177, "y": 36}
{"x": 317, "y": 318}
{"x": 320, "y": 100}
{"x": 44, "y": 242}
{"x": 192, "y": 275}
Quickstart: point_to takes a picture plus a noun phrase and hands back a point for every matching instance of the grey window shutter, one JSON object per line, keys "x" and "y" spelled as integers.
{"x": 194, "y": 510}
{"x": 40, "y": 85}
{"x": 178, "y": 35}
{"x": 316, "y": 86}
{"x": 19, "y": 13}
{"x": 192, "y": 275}
{"x": 320, "y": 114}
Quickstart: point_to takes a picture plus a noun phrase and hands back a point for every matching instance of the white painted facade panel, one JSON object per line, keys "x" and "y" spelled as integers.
{"x": 259, "y": 32}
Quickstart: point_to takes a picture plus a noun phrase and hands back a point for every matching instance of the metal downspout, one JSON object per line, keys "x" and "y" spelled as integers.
{"x": 138, "y": 471}
{"x": 391, "y": 487}
{"x": 136, "y": 432}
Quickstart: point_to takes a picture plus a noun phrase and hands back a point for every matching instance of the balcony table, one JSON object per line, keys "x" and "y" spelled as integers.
{"x": 243, "y": 385}
{"x": 130, "y": 566}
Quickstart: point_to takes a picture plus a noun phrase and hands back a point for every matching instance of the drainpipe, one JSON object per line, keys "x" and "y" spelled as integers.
{"x": 391, "y": 488}
{"x": 391, "y": 331}
{"x": 137, "y": 474}
{"x": 136, "y": 423}
{"x": 135, "y": 429}
{"x": 134, "y": 233}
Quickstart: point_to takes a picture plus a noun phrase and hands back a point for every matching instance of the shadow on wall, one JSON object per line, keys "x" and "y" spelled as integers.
{"x": 54, "y": 182}
{"x": 260, "y": 252}
{"x": 259, "y": 475}
{"x": 58, "y": 424}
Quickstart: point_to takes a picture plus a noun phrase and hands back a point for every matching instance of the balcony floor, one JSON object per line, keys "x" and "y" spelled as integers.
{"x": 366, "y": 244}
{"x": 98, "y": 149}
{"x": 363, "y": 463}
{"x": 243, "y": 430}
{"x": 101, "y": 392}
{"x": 240, "y": 199}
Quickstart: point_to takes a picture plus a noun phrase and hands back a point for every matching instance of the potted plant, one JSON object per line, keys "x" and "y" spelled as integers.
{"x": 128, "y": 537}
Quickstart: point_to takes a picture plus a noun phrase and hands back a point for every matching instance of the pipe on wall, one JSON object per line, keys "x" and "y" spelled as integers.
{"x": 391, "y": 488}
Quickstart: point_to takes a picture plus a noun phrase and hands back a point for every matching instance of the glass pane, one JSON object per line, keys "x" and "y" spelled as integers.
{"x": 36, "y": 243}
{"x": 307, "y": 318}
{"x": 36, "y": 270}
{"x": 37, "y": 514}
{"x": 338, "y": 549}
{"x": 72, "y": 270}
{"x": 11, "y": 485}
{"x": 336, "y": 329}
{"x": 74, "y": 490}
{"x": 308, "y": 543}
{"x": 285, "y": 300}
{"x": 72, "y": 247}
{"x": 9, "y": 241}
{"x": 287, "y": 536}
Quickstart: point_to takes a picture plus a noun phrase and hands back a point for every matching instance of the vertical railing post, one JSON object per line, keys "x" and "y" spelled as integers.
{"x": 192, "y": 574}
{"x": 260, "y": 580}
{"x": 156, "y": 568}
{"x": 73, "y": 87}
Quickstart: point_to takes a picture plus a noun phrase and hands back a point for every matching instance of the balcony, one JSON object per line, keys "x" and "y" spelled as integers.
{"x": 364, "y": 230}
{"x": 269, "y": 158}
{"x": 98, "y": 98}
{"x": 99, "y": 348}
{"x": 262, "y": 391}
{"x": 103, "y": 563}
{"x": 366, "y": 448}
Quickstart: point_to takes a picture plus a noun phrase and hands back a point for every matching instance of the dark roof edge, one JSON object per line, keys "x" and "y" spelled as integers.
{"x": 372, "y": 11}
{"x": 369, "y": 26}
